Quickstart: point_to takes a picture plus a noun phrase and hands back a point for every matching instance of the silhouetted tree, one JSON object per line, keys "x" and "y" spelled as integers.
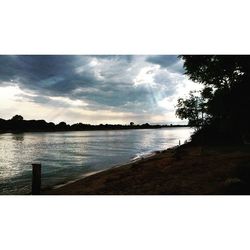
{"x": 193, "y": 109}
{"x": 145, "y": 125}
{"x": 17, "y": 124}
{"x": 17, "y": 118}
{"x": 62, "y": 126}
{"x": 226, "y": 81}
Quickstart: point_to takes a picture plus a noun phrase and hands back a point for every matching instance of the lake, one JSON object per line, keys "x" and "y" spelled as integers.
{"x": 69, "y": 155}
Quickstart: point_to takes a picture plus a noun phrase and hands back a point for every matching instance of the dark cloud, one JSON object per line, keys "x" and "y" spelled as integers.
{"x": 100, "y": 80}
{"x": 163, "y": 60}
{"x": 173, "y": 62}
{"x": 128, "y": 58}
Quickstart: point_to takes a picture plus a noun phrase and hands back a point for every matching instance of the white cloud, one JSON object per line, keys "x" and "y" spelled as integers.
{"x": 146, "y": 75}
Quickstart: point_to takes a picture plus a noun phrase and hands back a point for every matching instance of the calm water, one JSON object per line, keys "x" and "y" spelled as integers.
{"x": 68, "y": 155}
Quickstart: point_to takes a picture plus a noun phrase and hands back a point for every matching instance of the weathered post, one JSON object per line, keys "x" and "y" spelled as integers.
{"x": 36, "y": 178}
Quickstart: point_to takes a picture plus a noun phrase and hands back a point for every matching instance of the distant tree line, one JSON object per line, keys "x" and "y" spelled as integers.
{"x": 18, "y": 124}
{"x": 220, "y": 112}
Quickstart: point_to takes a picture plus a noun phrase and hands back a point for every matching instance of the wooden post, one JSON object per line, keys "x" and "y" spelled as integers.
{"x": 36, "y": 178}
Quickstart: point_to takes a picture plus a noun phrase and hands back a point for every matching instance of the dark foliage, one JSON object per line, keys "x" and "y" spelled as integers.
{"x": 17, "y": 124}
{"x": 225, "y": 96}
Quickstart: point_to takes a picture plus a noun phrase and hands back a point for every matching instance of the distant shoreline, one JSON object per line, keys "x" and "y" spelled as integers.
{"x": 18, "y": 125}
{"x": 95, "y": 129}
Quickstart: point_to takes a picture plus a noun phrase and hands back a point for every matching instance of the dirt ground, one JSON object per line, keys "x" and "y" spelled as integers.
{"x": 186, "y": 170}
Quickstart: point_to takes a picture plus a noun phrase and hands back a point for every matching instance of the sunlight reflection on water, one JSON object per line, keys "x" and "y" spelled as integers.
{"x": 67, "y": 155}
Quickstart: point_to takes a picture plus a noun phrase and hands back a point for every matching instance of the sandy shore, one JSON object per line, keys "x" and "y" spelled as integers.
{"x": 185, "y": 170}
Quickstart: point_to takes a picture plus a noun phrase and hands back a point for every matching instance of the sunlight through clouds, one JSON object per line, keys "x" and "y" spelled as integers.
{"x": 93, "y": 89}
{"x": 146, "y": 76}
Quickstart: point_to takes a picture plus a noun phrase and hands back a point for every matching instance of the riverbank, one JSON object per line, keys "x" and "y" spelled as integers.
{"x": 184, "y": 170}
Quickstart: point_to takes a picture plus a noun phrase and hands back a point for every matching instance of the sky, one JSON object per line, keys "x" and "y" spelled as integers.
{"x": 93, "y": 89}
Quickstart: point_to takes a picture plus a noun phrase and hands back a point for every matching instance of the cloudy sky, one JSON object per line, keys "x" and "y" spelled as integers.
{"x": 93, "y": 89}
